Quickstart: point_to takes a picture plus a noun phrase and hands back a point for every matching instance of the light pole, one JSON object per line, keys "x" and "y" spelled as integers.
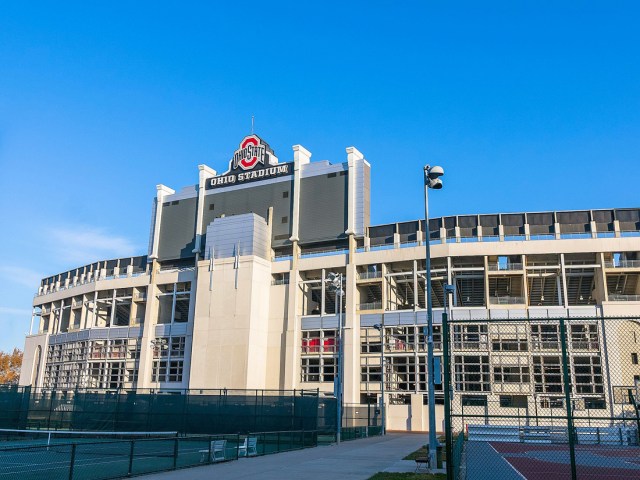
{"x": 431, "y": 180}
{"x": 334, "y": 282}
{"x": 380, "y": 328}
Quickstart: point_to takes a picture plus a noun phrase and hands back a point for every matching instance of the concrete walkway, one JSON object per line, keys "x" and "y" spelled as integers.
{"x": 353, "y": 460}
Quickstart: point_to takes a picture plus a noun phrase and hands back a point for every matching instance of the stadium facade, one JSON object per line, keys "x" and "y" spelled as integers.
{"x": 233, "y": 293}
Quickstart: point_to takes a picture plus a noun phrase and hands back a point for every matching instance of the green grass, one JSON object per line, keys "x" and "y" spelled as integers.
{"x": 408, "y": 476}
{"x": 421, "y": 452}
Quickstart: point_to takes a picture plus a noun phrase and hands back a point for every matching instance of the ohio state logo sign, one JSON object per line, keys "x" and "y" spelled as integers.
{"x": 251, "y": 152}
{"x": 252, "y": 162}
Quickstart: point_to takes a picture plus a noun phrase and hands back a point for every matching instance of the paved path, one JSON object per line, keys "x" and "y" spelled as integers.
{"x": 354, "y": 460}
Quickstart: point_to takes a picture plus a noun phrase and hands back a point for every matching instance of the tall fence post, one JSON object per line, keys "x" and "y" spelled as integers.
{"x": 447, "y": 396}
{"x": 72, "y": 461}
{"x": 567, "y": 396}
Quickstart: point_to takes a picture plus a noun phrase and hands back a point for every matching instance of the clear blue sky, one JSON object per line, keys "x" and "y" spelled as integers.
{"x": 528, "y": 106}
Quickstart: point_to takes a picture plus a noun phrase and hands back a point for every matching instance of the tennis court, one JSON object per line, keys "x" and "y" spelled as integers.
{"x": 530, "y": 461}
{"x": 31, "y": 455}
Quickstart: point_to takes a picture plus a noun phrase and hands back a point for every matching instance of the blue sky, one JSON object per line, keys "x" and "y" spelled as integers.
{"x": 528, "y": 106}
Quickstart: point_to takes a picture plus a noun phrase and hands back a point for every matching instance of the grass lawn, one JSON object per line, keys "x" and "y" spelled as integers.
{"x": 421, "y": 452}
{"x": 408, "y": 476}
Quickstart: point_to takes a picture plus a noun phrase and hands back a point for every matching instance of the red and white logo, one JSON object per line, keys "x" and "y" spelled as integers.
{"x": 251, "y": 152}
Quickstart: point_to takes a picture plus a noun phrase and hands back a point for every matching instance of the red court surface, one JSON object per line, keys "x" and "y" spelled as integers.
{"x": 594, "y": 462}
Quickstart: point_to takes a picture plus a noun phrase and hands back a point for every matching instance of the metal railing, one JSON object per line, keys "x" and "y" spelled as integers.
{"x": 175, "y": 269}
{"x": 369, "y": 275}
{"x": 617, "y": 297}
{"x": 499, "y": 267}
{"x": 322, "y": 253}
{"x": 506, "y": 300}
{"x": 623, "y": 264}
{"x": 370, "y": 306}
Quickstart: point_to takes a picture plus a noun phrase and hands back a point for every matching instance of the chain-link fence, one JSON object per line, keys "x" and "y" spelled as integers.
{"x": 546, "y": 398}
{"x": 193, "y": 412}
{"x": 116, "y": 459}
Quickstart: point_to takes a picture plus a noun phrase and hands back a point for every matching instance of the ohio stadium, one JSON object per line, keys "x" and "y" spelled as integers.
{"x": 269, "y": 276}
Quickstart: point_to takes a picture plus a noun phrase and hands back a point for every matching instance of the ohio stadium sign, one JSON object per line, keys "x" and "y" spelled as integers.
{"x": 253, "y": 161}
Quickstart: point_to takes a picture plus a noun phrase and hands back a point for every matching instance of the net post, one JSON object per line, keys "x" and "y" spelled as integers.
{"x": 210, "y": 442}
{"x": 72, "y": 460}
{"x": 131, "y": 457}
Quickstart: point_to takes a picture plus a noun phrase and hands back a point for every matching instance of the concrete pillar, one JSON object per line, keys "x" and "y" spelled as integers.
{"x": 205, "y": 173}
{"x": 353, "y": 155}
{"x": 301, "y": 156}
{"x": 161, "y": 192}
{"x": 351, "y": 332}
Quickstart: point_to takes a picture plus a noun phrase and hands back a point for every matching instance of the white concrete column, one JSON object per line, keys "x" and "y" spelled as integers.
{"x": 353, "y": 155}
{"x": 205, "y": 174}
{"x": 301, "y": 156}
{"x": 415, "y": 287}
{"x": 161, "y": 192}
{"x": 351, "y": 332}
{"x": 563, "y": 272}
{"x": 291, "y": 377}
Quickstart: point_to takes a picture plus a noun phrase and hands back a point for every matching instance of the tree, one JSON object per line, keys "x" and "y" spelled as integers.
{"x": 10, "y": 364}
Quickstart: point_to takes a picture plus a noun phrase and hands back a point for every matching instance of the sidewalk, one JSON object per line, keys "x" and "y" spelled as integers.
{"x": 353, "y": 460}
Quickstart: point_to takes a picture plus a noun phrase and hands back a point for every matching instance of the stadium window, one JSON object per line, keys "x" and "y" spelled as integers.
{"x": 470, "y": 337}
{"x": 285, "y": 194}
{"x": 511, "y": 374}
{"x": 587, "y": 372}
{"x": 634, "y": 358}
{"x": 584, "y": 337}
{"x": 212, "y": 206}
{"x": 552, "y": 402}
{"x": 175, "y": 370}
{"x": 285, "y": 219}
{"x": 331, "y": 175}
{"x": 513, "y": 401}
{"x": 547, "y": 374}
{"x": 472, "y": 373}
{"x": 474, "y": 400}
{"x": 595, "y": 403}
{"x": 544, "y": 337}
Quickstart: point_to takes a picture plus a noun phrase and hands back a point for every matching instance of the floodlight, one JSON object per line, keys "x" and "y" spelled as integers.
{"x": 435, "y": 172}
{"x": 435, "y": 183}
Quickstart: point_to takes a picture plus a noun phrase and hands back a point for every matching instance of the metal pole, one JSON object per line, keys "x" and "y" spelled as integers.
{"x": 382, "y": 372}
{"x": 433, "y": 441}
{"x": 340, "y": 364}
{"x": 567, "y": 396}
{"x": 447, "y": 393}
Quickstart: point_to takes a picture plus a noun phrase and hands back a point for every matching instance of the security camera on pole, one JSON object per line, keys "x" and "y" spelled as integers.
{"x": 431, "y": 180}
